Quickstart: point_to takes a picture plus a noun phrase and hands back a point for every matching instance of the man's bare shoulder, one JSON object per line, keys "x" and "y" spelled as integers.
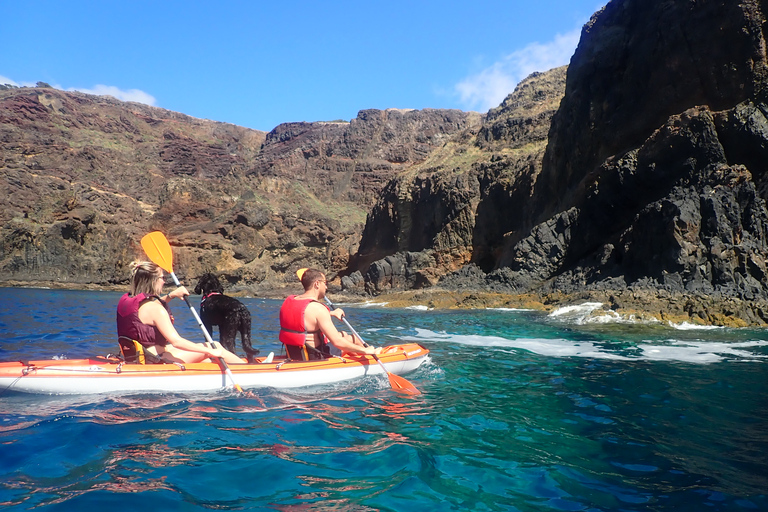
{"x": 316, "y": 307}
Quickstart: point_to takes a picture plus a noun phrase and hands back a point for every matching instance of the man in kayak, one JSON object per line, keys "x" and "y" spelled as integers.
{"x": 306, "y": 327}
{"x": 144, "y": 316}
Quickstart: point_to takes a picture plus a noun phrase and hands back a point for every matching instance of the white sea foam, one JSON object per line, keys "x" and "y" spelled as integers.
{"x": 371, "y": 304}
{"x": 508, "y": 309}
{"x": 588, "y": 312}
{"x": 556, "y": 347}
{"x": 685, "y": 326}
{"x": 576, "y": 310}
{"x": 700, "y": 352}
{"x": 594, "y": 313}
{"x": 419, "y": 308}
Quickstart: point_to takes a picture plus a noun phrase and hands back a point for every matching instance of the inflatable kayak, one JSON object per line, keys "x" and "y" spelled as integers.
{"x": 106, "y": 375}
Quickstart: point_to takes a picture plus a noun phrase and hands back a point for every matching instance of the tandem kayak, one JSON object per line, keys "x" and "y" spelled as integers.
{"x": 106, "y": 375}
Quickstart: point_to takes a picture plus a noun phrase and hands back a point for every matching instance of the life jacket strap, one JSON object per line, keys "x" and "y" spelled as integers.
{"x": 307, "y": 353}
{"x": 300, "y": 332}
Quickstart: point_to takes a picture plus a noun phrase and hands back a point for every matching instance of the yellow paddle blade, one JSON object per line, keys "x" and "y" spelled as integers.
{"x": 158, "y": 250}
{"x": 300, "y": 273}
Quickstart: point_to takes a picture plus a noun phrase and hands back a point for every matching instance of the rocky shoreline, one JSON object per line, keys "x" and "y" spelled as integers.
{"x": 630, "y": 306}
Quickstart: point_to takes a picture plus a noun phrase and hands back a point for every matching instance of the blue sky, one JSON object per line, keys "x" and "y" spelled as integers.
{"x": 258, "y": 64}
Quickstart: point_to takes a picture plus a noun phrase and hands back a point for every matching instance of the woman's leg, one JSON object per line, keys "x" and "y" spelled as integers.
{"x": 228, "y": 356}
{"x": 172, "y": 354}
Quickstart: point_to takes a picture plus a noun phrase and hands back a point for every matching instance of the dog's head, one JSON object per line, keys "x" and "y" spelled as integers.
{"x": 208, "y": 283}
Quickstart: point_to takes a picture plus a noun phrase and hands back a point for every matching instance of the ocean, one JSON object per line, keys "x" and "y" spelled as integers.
{"x": 520, "y": 411}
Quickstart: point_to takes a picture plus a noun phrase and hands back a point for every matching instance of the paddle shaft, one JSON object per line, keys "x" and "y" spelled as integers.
{"x": 344, "y": 319}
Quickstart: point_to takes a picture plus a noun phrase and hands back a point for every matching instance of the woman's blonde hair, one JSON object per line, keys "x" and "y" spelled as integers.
{"x": 143, "y": 275}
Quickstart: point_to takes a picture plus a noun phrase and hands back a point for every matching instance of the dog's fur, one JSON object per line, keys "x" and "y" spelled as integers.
{"x": 228, "y": 313}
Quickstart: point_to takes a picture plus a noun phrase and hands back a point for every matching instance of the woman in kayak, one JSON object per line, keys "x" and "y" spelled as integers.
{"x": 143, "y": 315}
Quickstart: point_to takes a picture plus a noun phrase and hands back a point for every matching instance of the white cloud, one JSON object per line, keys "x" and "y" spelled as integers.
{"x": 4, "y": 80}
{"x": 136, "y": 95}
{"x": 489, "y": 87}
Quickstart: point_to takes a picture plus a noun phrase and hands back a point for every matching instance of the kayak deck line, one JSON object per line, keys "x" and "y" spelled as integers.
{"x": 101, "y": 374}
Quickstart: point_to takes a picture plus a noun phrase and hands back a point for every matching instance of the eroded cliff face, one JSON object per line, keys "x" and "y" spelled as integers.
{"x": 85, "y": 177}
{"x": 457, "y": 206}
{"x": 353, "y": 161}
{"x": 637, "y": 64}
{"x": 653, "y": 177}
{"x": 654, "y": 167}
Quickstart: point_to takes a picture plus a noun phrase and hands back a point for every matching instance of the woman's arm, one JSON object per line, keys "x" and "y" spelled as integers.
{"x": 153, "y": 313}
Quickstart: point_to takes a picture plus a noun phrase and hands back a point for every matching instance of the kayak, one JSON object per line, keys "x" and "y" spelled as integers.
{"x": 110, "y": 375}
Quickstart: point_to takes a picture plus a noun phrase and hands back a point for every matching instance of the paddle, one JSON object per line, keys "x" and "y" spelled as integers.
{"x": 395, "y": 381}
{"x": 159, "y": 251}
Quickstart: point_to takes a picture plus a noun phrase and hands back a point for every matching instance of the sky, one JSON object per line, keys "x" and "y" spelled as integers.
{"x": 258, "y": 64}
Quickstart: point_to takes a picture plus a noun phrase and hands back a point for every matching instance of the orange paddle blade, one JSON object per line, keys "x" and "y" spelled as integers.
{"x": 400, "y": 384}
{"x": 300, "y": 273}
{"x": 395, "y": 382}
{"x": 158, "y": 250}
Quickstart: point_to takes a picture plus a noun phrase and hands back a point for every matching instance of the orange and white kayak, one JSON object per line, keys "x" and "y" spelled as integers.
{"x": 105, "y": 375}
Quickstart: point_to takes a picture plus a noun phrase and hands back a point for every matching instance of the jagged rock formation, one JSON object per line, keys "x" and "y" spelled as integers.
{"x": 671, "y": 199}
{"x": 448, "y": 206}
{"x": 653, "y": 177}
{"x": 84, "y": 177}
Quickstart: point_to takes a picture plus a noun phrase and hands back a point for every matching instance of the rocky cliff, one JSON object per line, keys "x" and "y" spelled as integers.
{"x": 635, "y": 176}
{"x": 84, "y": 177}
{"x": 653, "y": 176}
{"x": 457, "y": 206}
{"x": 652, "y": 185}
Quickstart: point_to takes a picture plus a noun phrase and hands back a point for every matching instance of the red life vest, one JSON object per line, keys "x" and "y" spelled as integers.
{"x": 292, "y": 330}
{"x": 129, "y": 325}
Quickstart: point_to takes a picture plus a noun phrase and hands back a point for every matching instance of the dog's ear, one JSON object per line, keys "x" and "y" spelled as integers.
{"x": 216, "y": 285}
{"x": 198, "y": 291}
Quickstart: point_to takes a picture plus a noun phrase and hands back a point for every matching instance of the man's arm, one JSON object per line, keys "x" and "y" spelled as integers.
{"x": 344, "y": 343}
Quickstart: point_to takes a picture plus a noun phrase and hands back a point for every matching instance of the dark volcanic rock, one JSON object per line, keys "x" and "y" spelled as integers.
{"x": 678, "y": 206}
{"x": 661, "y": 216}
{"x": 638, "y": 63}
{"x": 654, "y": 176}
{"x": 450, "y": 204}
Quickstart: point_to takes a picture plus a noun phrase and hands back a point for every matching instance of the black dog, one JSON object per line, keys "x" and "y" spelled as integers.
{"x": 228, "y": 313}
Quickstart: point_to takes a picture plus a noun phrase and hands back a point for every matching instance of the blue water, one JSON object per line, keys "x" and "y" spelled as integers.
{"x": 520, "y": 411}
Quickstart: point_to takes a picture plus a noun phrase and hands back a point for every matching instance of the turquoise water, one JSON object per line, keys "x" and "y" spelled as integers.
{"x": 520, "y": 411}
